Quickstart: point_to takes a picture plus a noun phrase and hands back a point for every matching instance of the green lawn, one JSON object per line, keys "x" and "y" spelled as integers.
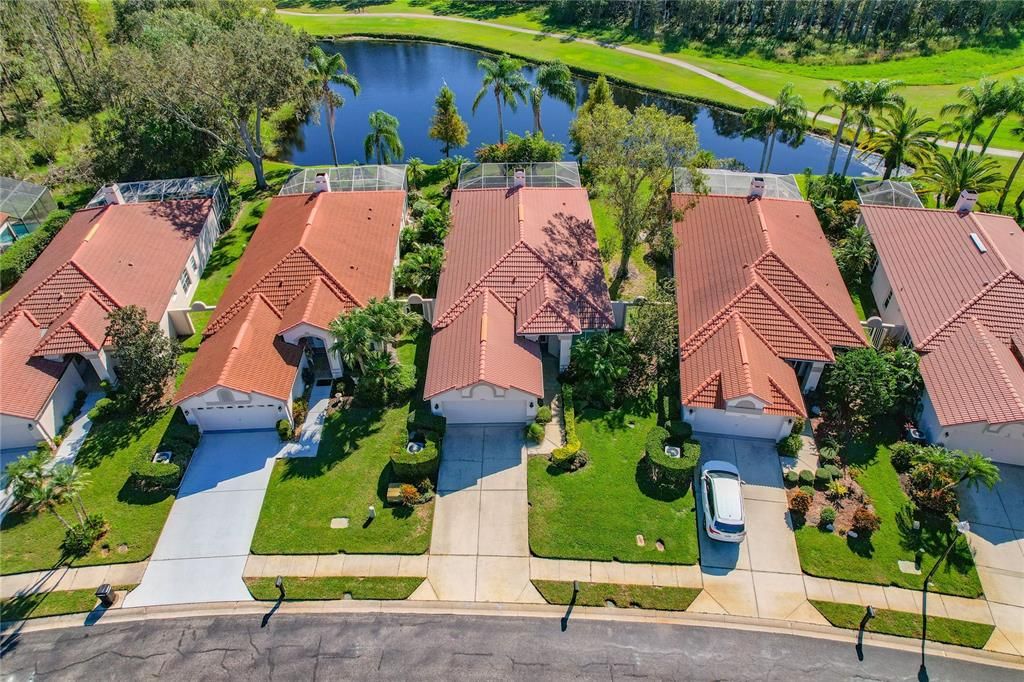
{"x": 872, "y": 559}
{"x": 319, "y": 589}
{"x": 623, "y": 596}
{"x": 350, "y": 473}
{"x": 905, "y": 624}
{"x": 47, "y": 604}
{"x": 863, "y": 299}
{"x": 597, "y": 512}
{"x": 31, "y": 542}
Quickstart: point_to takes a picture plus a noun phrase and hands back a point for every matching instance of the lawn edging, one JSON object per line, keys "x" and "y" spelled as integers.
{"x": 623, "y": 596}
{"x": 906, "y": 624}
{"x": 329, "y": 588}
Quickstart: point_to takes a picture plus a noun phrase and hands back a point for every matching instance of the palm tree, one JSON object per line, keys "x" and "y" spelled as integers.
{"x": 977, "y": 103}
{"x": 414, "y": 170}
{"x": 902, "y": 138}
{"x": 950, "y": 175}
{"x": 845, "y": 97}
{"x": 504, "y": 77}
{"x": 70, "y": 481}
{"x": 389, "y": 319}
{"x": 47, "y": 497}
{"x": 324, "y": 70}
{"x": 787, "y": 116}
{"x": 353, "y": 339}
{"x": 26, "y": 473}
{"x": 1019, "y": 132}
{"x": 383, "y": 141}
{"x": 363, "y": 331}
{"x": 973, "y": 469}
{"x": 854, "y": 254}
{"x": 420, "y": 270}
{"x": 382, "y": 376}
{"x": 554, "y": 80}
{"x": 1008, "y": 100}
{"x": 874, "y": 97}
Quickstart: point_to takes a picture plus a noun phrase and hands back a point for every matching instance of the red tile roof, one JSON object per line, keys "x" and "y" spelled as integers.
{"x": 81, "y": 328}
{"x": 940, "y": 278}
{"x": 311, "y": 258}
{"x": 245, "y": 355}
{"x": 481, "y": 345}
{"x": 534, "y": 249}
{"x": 974, "y": 377}
{"x": 761, "y": 268}
{"x": 123, "y": 253}
{"x": 26, "y": 383}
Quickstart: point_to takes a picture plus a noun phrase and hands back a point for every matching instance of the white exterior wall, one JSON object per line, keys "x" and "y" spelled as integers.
{"x": 483, "y": 403}
{"x": 744, "y": 423}
{"x": 226, "y": 409}
{"x": 18, "y": 432}
{"x": 15, "y": 431}
{"x": 182, "y": 298}
{"x": 1001, "y": 443}
{"x": 880, "y": 288}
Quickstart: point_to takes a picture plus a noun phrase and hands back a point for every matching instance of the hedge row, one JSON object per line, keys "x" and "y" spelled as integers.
{"x": 422, "y": 419}
{"x": 21, "y": 254}
{"x": 409, "y": 467}
{"x": 180, "y": 439}
{"x": 676, "y": 471}
{"x": 565, "y": 455}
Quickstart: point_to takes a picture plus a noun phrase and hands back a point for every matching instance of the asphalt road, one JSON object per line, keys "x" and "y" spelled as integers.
{"x": 432, "y": 647}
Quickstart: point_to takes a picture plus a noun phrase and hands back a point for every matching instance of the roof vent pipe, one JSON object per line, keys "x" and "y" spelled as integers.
{"x": 322, "y": 183}
{"x": 112, "y": 194}
{"x": 965, "y": 204}
{"x": 519, "y": 178}
{"x": 756, "y": 188}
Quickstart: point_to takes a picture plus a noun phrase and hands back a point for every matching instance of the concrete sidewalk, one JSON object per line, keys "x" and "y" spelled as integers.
{"x": 67, "y": 578}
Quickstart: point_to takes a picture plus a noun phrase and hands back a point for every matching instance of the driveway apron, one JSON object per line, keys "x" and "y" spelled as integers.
{"x": 205, "y": 543}
{"x": 480, "y": 548}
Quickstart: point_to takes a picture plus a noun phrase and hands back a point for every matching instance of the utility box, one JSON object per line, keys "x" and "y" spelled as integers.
{"x": 105, "y": 593}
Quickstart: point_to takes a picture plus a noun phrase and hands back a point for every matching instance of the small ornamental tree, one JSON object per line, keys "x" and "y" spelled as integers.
{"x": 447, "y": 127}
{"x": 146, "y": 358}
{"x": 860, "y": 387}
{"x": 530, "y": 148}
{"x": 600, "y": 364}
{"x": 906, "y": 379}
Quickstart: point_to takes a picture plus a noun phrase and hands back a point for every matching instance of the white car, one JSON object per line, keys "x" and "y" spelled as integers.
{"x": 722, "y": 495}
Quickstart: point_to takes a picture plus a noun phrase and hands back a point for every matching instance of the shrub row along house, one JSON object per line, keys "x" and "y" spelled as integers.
{"x": 132, "y": 245}
{"x": 522, "y": 276}
{"x": 761, "y": 304}
{"x": 952, "y": 284}
{"x": 322, "y": 248}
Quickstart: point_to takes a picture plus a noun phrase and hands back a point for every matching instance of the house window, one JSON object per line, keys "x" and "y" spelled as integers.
{"x": 887, "y": 299}
{"x": 186, "y": 281}
{"x": 193, "y": 262}
{"x": 874, "y": 263}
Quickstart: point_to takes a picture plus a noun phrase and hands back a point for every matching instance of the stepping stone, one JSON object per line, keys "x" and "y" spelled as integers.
{"x": 908, "y": 567}
{"x": 660, "y": 546}
{"x": 640, "y": 541}
{"x": 339, "y": 522}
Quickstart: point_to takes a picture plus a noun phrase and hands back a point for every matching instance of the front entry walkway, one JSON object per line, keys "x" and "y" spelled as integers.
{"x": 202, "y": 551}
{"x": 480, "y": 549}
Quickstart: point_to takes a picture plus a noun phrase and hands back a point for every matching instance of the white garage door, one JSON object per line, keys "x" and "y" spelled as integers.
{"x": 732, "y": 424}
{"x": 485, "y": 411}
{"x": 238, "y": 417}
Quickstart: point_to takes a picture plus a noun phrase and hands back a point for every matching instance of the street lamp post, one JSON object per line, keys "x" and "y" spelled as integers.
{"x": 961, "y": 528}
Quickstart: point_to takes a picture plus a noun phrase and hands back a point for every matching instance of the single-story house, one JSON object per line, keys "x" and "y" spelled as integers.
{"x": 314, "y": 255}
{"x": 111, "y": 254}
{"x": 522, "y": 276}
{"x": 951, "y": 282}
{"x": 762, "y": 307}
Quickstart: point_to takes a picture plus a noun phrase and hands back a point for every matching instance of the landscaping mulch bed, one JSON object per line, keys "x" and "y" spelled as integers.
{"x": 845, "y": 506}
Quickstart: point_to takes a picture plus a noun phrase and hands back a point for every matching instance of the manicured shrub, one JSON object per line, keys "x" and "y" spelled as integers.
{"x": 420, "y": 206}
{"x": 798, "y": 425}
{"x": 929, "y": 490}
{"x": 79, "y": 539}
{"x": 837, "y": 490}
{"x": 543, "y": 415}
{"x": 822, "y": 476}
{"x": 806, "y": 477}
{"x": 284, "y": 430}
{"x": 410, "y": 495}
{"x": 901, "y": 455}
{"x": 151, "y": 475}
{"x": 800, "y": 502}
{"x": 865, "y": 520}
{"x": 422, "y": 419}
{"x": 807, "y": 490}
{"x": 535, "y": 433}
{"x": 568, "y": 456}
{"x": 300, "y": 408}
{"x": 828, "y": 515}
{"x": 833, "y": 471}
{"x": 101, "y": 409}
{"x": 791, "y": 477}
{"x": 828, "y": 454}
{"x": 680, "y": 429}
{"x": 790, "y": 446}
{"x": 17, "y": 258}
{"x": 410, "y": 467}
{"x": 675, "y": 471}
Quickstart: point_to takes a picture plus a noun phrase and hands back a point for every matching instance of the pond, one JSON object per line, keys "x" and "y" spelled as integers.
{"x": 403, "y": 78}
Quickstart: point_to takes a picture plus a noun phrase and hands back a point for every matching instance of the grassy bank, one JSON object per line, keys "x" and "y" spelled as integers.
{"x": 905, "y": 624}
{"x": 45, "y": 604}
{"x": 320, "y": 589}
{"x": 623, "y": 596}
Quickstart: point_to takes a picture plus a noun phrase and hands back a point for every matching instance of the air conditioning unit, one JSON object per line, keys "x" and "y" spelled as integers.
{"x": 673, "y": 452}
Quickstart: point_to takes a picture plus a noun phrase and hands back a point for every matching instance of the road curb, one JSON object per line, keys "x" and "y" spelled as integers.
{"x": 606, "y": 614}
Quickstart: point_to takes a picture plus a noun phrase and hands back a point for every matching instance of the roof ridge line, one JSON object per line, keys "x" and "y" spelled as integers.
{"x": 482, "y": 350}
{"x": 714, "y": 376}
{"x": 309, "y": 219}
{"x": 243, "y": 328}
{"x": 748, "y": 382}
{"x": 37, "y": 287}
{"x": 769, "y": 289}
{"x": 984, "y": 332}
{"x": 962, "y": 310}
{"x": 989, "y": 242}
{"x": 792, "y": 403}
{"x": 475, "y": 286}
{"x": 765, "y": 236}
{"x": 785, "y": 265}
{"x": 330, "y": 276}
{"x": 715, "y": 321}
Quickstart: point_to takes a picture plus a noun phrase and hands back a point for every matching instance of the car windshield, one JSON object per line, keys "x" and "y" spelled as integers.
{"x": 730, "y": 527}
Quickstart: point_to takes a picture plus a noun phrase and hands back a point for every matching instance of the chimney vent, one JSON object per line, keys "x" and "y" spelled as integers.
{"x": 322, "y": 183}
{"x": 965, "y": 204}
{"x": 112, "y": 194}
{"x": 756, "y": 188}
{"x": 519, "y": 178}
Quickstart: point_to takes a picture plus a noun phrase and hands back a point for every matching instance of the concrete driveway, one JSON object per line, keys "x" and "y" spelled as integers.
{"x": 770, "y": 545}
{"x": 480, "y": 547}
{"x": 205, "y": 543}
